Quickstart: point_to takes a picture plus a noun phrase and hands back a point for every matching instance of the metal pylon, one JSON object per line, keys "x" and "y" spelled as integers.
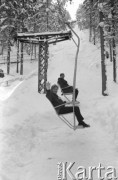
{"x": 42, "y": 66}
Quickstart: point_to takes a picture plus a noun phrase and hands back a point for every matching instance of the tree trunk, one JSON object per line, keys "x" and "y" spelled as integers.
{"x": 8, "y": 53}
{"x": 17, "y": 66}
{"x": 94, "y": 36}
{"x": 90, "y": 28}
{"x": 103, "y": 66}
{"x": 21, "y": 63}
{"x": 35, "y": 46}
{"x": 114, "y": 61}
{"x": 47, "y": 18}
{"x": 110, "y": 50}
{"x": 110, "y": 46}
{"x": 114, "y": 43}
{"x": 35, "y": 51}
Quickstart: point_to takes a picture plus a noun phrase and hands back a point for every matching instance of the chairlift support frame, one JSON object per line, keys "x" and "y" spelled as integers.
{"x": 43, "y": 40}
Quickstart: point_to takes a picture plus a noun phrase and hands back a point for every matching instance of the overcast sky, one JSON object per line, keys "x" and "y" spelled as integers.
{"x": 72, "y": 8}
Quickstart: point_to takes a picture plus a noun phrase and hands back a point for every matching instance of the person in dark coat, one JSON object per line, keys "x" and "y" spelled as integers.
{"x": 60, "y": 105}
{"x": 66, "y": 88}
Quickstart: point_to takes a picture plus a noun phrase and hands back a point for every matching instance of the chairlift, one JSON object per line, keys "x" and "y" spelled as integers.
{"x": 62, "y": 116}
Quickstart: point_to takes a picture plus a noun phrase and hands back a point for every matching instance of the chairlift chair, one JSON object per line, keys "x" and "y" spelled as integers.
{"x": 65, "y": 94}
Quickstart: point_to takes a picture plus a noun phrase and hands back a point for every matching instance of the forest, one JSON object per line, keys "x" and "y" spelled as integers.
{"x": 28, "y": 16}
{"x": 101, "y": 18}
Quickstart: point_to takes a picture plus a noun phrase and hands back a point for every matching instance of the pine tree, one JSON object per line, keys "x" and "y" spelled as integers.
{"x": 104, "y": 18}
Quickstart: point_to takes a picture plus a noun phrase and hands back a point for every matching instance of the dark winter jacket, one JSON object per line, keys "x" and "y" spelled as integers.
{"x": 55, "y": 100}
{"x": 65, "y": 86}
{"x": 62, "y": 82}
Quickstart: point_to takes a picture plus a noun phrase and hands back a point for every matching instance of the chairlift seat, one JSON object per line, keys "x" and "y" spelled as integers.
{"x": 65, "y": 94}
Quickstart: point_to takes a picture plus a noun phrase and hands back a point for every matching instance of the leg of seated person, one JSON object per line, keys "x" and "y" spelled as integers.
{"x": 76, "y": 93}
{"x": 78, "y": 114}
{"x": 65, "y": 110}
{"x": 68, "y": 90}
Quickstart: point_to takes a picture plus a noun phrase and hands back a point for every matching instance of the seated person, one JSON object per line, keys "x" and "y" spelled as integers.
{"x": 66, "y": 88}
{"x": 60, "y": 105}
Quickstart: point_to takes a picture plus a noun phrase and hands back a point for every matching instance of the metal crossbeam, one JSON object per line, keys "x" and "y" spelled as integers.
{"x": 44, "y": 35}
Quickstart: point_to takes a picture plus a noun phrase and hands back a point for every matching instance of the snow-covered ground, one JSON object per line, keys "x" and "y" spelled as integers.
{"x": 32, "y": 137}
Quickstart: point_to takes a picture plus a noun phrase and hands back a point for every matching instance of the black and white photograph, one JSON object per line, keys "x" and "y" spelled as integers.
{"x": 58, "y": 89}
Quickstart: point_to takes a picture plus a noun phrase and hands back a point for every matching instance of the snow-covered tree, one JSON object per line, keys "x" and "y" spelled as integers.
{"x": 101, "y": 17}
{"x": 30, "y": 16}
